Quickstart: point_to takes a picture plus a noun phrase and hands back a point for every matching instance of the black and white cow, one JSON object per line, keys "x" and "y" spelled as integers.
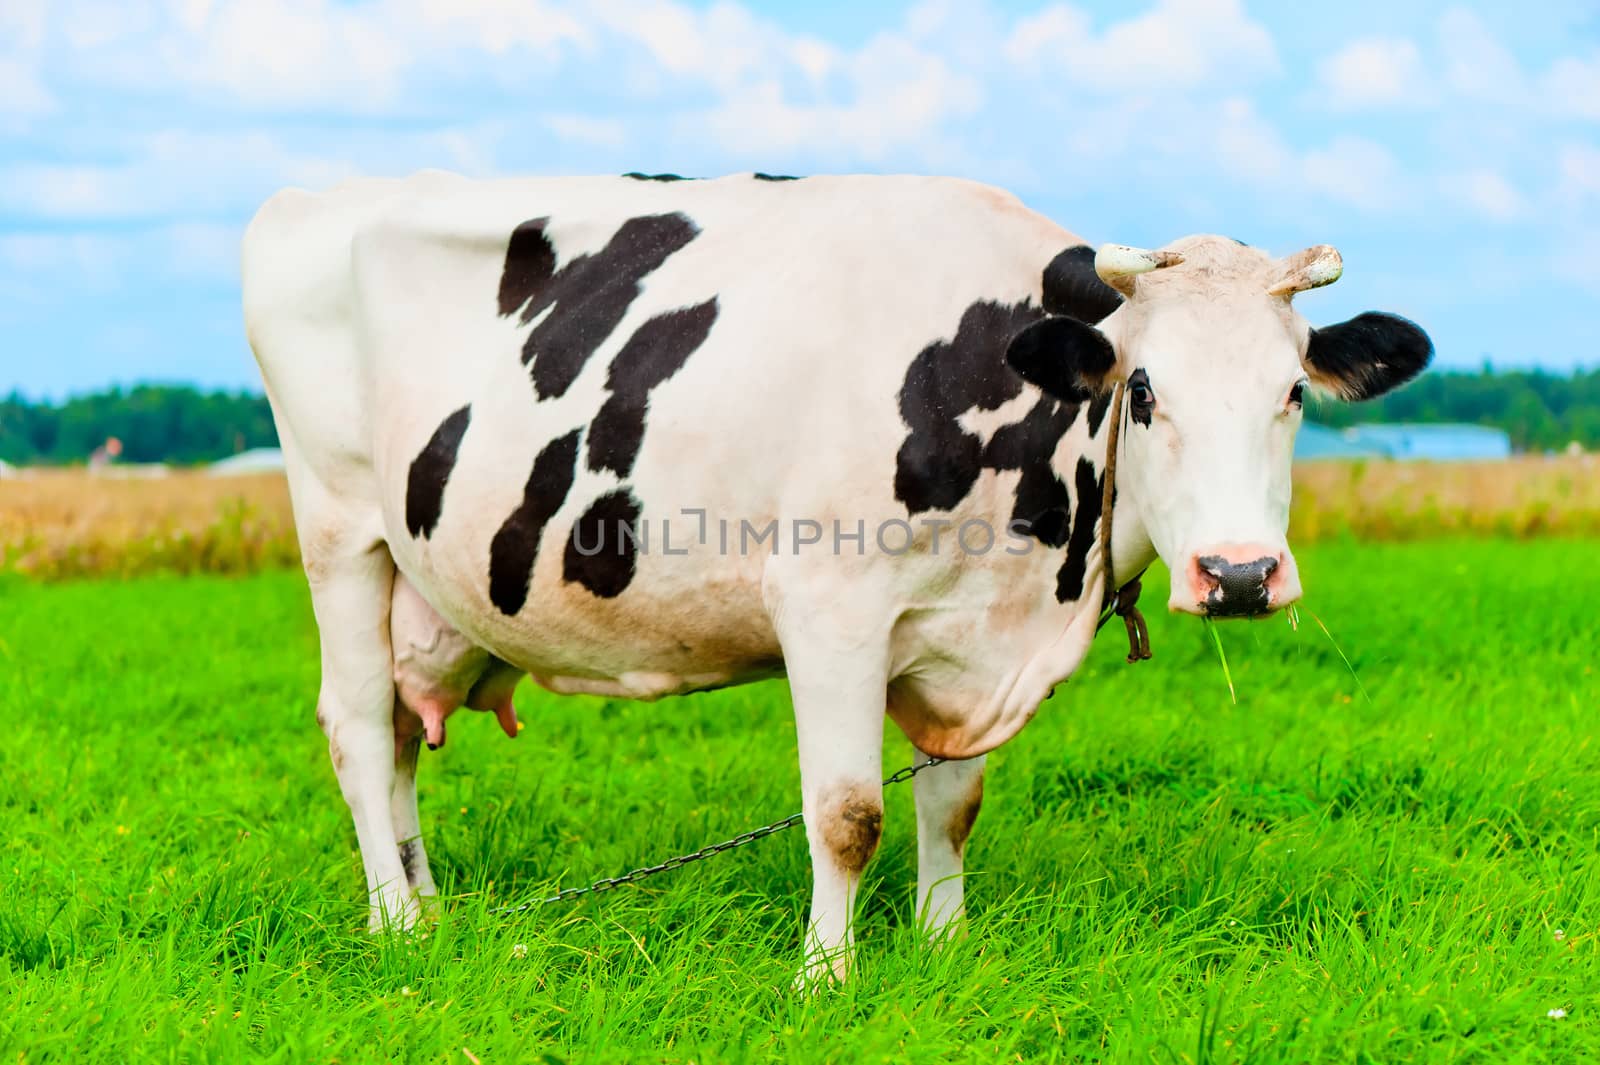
{"x": 638, "y": 437}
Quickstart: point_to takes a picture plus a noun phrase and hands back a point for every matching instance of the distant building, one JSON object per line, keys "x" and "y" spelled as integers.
{"x": 256, "y": 460}
{"x": 1319, "y": 442}
{"x": 1434, "y": 443}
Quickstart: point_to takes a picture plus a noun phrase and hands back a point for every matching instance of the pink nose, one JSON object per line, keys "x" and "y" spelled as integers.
{"x": 1240, "y": 580}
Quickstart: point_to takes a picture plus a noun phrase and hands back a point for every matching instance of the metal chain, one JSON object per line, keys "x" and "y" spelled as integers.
{"x": 635, "y": 875}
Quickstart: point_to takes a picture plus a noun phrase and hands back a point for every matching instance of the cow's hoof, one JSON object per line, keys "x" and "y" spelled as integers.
{"x": 824, "y": 971}
{"x": 950, "y": 930}
{"x": 397, "y": 915}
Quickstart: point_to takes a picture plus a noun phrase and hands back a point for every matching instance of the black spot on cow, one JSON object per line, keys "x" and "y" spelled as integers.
{"x": 1088, "y": 489}
{"x": 515, "y": 546}
{"x": 1097, "y": 411}
{"x": 601, "y": 549}
{"x": 940, "y": 461}
{"x": 656, "y": 350}
{"x": 637, "y": 176}
{"x": 1029, "y": 445}
{"x": 430, "y": 471}
{"x": 529, "y": 266}
{"x": 587, "y": 298}
{"x": 773, "y": 177}
{"x": 1072, "y": 288}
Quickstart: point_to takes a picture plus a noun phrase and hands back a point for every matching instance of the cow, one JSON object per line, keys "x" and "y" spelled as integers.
{"x": 638, "y": 436}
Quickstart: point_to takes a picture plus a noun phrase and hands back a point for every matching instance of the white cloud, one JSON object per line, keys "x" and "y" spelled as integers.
{"x": 22, "y": 95}
{"x": 1572, "y": 86}
{"x": 1178, "y": 44}
{"x": 897, "y": 97}
{"x": 584, "y": 129}
{"x": 292, "y": 52}
{"x": 1580, "y": 172}
{"x": 1354, "y": 171}
{"x": 184, "y": 174}
{"x": 174, "y": 172}
{"x": 1476, "y": 64}
{"x": 101, "y": 260}
{"x": 1247, "y": 145}
{"x": 1488, "y": 194}
{"x": 1374, "y": 72}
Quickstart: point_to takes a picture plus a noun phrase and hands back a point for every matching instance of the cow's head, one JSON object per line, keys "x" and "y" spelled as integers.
{"x": 1217, "y": 363}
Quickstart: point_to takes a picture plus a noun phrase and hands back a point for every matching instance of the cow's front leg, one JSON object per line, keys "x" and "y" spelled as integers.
{"x": 948, "y": 798}
{"x": 838, "y": 705}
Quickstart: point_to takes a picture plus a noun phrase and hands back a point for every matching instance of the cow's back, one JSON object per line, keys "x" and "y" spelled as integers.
{"x": 503, "y": 366}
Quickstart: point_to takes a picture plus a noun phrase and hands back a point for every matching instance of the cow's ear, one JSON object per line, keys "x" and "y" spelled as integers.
{"x": 1068, "y": 359}
{"x": 1368, "y": 355}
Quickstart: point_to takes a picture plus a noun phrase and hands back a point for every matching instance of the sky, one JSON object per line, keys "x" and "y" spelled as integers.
{"x": 1452, "y": 153}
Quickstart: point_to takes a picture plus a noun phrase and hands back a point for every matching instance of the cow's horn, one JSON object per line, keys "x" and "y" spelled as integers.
{"x": 1311, "y": 268}
{"x": 1118, "y": 264}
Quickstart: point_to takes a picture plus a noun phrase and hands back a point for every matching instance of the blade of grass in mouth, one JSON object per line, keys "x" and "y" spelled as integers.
{"x": 1222, "y": 656}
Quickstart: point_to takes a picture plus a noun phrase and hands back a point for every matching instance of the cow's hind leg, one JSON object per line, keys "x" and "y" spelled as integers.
{"x": 838, "y": 703}
{"x": 948, "y": 798}
{"x": 351, "y": 577}
{"x": 403, "y": 803}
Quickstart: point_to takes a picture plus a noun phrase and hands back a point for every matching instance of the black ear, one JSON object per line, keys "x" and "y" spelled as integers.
{"x": 1368, "y": 355}
{"x": 1072, "y": 288}
{"x": 1063, "y": 356}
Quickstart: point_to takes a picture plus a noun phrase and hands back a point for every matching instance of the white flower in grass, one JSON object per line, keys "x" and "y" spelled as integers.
{"x": 1560, "y": 934}
{"x": 1556, "y": 1014}
{"x": 519, "y": 950}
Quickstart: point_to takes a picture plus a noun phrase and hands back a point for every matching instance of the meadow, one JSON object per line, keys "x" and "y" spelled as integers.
{"x": 1382, "y": 849}
{"x": 57, "y": 524}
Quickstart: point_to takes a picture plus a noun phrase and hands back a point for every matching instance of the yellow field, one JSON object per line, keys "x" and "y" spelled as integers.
{"x": 1522, "y": 497}
{"x": 64, "y": 524}
{"x": 68, "y": 523}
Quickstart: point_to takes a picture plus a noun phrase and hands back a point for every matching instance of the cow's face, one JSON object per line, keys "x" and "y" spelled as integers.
{"x": 1216, "y": 364}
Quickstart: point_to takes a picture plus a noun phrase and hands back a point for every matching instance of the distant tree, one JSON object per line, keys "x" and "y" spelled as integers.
{"x": 156, "y": 423}
{"x": 184, "y": 426}
{"x": 1540, "y": 411}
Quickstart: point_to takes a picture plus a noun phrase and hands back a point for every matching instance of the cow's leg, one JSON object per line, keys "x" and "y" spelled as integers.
{"x": 350, "y": 593}
{"x": 403, "y": 803}
{"x": 838, "y": 705}
{"x": 948, "y": 798}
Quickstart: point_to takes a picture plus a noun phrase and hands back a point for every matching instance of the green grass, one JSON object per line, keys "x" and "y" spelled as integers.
{"x": 1160, "y": 873}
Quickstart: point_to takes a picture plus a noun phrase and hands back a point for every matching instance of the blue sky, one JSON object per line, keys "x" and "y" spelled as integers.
{"x": 1451, "y": 153}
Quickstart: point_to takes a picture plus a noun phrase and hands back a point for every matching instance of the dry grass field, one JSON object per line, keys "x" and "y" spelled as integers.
{"x": 67, "y": 523}
{"x": 57, "y": 524}
{"x": 1522, "y": 498}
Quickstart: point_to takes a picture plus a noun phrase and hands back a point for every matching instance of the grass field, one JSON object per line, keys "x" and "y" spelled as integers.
{"x": 1397, "y": 868}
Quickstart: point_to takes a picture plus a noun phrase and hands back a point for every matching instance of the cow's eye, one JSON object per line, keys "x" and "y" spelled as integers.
{"x": 1297, "y": 395}
{"x": 1140, "y": 393}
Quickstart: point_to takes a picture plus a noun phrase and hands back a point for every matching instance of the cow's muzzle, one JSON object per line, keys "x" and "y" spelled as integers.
{"x": 1236, "y": 588}
{"x": 1236, "y": 580}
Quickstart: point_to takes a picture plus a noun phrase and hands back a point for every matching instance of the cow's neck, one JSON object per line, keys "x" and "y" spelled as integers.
{"x": 1131, "y": 553}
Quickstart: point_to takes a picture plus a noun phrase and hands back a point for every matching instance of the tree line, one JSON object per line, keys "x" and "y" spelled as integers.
{"x": 181, "y": 425}
{"x": 1540, "y": 411}
{"x": 156, "y": 423}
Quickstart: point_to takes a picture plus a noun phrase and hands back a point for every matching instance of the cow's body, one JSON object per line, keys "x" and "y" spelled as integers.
{"x": 789, "y": 409}
{"x": 478, "y": 384}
